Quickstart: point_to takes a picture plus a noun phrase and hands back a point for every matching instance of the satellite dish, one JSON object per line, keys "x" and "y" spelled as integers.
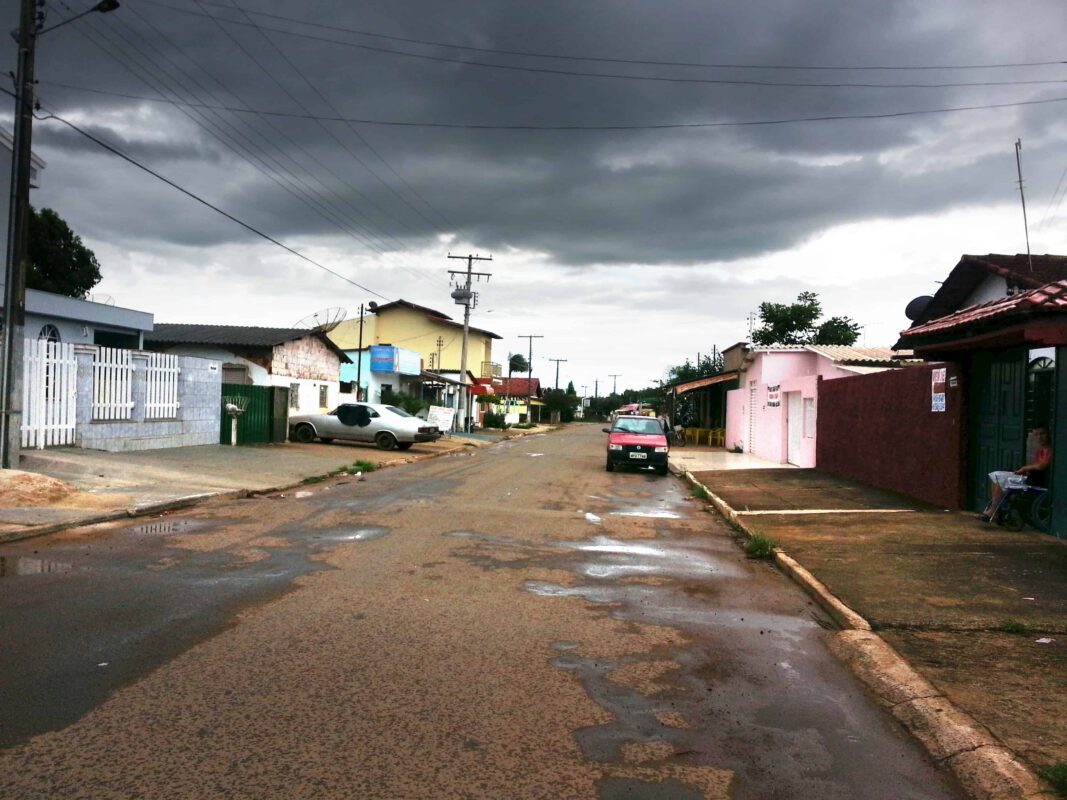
{"x": 322, "y": 321}
{"x": 102, "y": 299}
{"x": 917, "y": 307}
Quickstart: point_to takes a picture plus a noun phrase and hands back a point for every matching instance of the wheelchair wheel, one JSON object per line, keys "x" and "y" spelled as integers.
{"x": 1011, "y": 519}
{"x": 1039, "y": 515}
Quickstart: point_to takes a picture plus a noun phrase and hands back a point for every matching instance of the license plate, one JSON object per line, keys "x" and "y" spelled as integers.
{"x": 639, "y": 455}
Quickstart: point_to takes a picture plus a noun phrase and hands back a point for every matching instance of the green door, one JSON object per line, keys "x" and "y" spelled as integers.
{"x": 255, "y": 424}
{"x": 996, "y": 420}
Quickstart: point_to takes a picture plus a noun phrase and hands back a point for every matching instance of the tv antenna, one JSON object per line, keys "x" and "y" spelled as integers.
{"x": 322, "y": 321}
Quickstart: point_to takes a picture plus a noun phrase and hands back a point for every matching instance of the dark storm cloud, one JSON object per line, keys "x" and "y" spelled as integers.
{"x": 580, "y": 198}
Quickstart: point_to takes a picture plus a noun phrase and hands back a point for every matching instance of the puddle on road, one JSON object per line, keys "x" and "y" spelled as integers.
{"x": 651, "y": 557}
{"x": 23, "y": 566}
{"x": 593, "y": 518}
{"x": 366, "y": 534}
{"x": 649, "y": 513}
{"x": 163, "y": 527}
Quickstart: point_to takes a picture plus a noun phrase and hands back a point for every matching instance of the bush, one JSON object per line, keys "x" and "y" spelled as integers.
{"x": 492, "y": 420}
{"x": 1056, "y": 775}
{"x": 409, "y": 402}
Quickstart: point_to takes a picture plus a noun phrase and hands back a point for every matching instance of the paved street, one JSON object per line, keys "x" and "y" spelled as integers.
{"x": 506, "y": 622}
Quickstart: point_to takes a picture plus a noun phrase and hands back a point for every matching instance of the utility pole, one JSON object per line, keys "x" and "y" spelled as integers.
{"x": 31, "y": 25}
{"x": 30, "y": 19}
{"x": 558, "y": 360}
{"x": 463, "y": 296}
{"x": 614, "y": 383}
{"x": 440, "y": 344}
{"x": 596, "y": 388}
{"x": 1022, "y": 196}
{"x": 371, "y": 306}
{"x": 529, "y": 375}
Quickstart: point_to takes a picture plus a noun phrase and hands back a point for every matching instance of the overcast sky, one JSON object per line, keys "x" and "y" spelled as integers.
{"x": 628, "y": 250}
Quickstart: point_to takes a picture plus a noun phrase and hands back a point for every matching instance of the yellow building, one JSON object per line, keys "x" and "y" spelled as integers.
{"x": 435, "y": 336}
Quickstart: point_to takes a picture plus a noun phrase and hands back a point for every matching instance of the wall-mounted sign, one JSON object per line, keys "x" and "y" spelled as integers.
{"x": 937, "y": 389}
{"x": 409, "y": 362}
{"x": 774, "y": 396}
{"x": 384, "y": 358}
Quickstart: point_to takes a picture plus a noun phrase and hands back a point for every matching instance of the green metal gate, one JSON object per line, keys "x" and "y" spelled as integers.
{"x": 265, "y": 417}
{"x": 997, "y": 419}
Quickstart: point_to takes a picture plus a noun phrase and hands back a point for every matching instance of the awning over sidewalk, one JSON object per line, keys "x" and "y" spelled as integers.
{"x": 700, "y": 383}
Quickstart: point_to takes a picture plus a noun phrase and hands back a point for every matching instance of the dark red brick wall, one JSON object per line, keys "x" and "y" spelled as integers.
{"x": 879, "y": 429}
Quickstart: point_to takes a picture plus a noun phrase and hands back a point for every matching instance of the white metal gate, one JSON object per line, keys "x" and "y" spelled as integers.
{"x": 49, "y": 393}
{"x": 794, "y": 426}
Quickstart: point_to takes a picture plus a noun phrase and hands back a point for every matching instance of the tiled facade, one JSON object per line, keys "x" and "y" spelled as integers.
{"x": 197, "y": 421}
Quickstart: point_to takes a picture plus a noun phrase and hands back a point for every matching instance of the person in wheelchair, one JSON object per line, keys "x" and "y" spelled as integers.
{"x": 1026, "y": 476}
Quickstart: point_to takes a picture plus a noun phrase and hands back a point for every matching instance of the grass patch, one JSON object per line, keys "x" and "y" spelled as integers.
{"x": 760, "y": 547}
{"x": 315, "y": 479}
{"x": 698, "y": 491}
{"x": 1015, "y": 627}
{"x": 1056, "y": 775}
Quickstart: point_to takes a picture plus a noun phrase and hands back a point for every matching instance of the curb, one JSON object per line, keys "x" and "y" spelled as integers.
{"x": 148, "y": 509}
{"x": 985, "y": 769}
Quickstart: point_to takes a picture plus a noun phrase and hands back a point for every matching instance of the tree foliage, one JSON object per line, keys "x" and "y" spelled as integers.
{"x": 563, "y": 402}
{"x": 517, "y": 363}
{"x": 59, "y": 262}
{"x": 570, "y": 388}
{"x": 798, "y": 323}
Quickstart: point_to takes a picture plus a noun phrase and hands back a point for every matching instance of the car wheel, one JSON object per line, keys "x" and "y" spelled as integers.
{"x": 385, "y": 440}
{"x": 609, "y": 466}
{"x": 304, "y": 434}
{"x": 403, "y": 445}
{"x": 662, "y": 470}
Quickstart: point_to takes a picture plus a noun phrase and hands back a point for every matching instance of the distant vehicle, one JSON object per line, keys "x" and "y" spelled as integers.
{"x": 637, "y": 441}
{"x": 639, "y": 409}
{"x": 388, "y": 427}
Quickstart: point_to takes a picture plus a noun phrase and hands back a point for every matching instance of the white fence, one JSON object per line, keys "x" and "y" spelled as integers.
{"x": 49, "y": 393}
{"x": 112, "y": 384}
{"x": 161, "y": 386}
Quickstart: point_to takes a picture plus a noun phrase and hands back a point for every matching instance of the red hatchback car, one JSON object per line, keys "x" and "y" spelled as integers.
{"x": 637, "y": 441}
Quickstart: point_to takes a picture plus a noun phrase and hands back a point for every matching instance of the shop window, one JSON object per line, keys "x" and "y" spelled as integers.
{"x": 324, "y": 396}
{"x": 49, "y": 333}
{"x": 294, "y": 396}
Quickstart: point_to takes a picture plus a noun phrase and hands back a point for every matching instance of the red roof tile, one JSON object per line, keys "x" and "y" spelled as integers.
{"x": 1050, "y": 297}
{"x": 519, "y": 387}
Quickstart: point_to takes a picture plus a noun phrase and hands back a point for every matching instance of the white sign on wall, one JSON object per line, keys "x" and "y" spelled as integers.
{"x": 937, "y": 389}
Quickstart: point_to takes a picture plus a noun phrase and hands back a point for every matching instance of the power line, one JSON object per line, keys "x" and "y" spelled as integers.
{"x": 229, "y": 135}
{"x": 300, "y": 104}
{"x": 608, "y": 60}
{"x": 202, "y": 201}
{"x": 564, "y": 128}
{"x": 623, "y": 76}
{"x": 355, "y": 131}
{"x": 255, "y": 155}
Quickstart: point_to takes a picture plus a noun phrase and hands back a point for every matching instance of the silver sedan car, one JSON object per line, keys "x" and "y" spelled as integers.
{"x": 388, "y": 427}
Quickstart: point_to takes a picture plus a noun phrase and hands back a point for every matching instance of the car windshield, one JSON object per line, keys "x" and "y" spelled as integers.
{"x": 398, "y": 411}
{"x": 644, "y": 425}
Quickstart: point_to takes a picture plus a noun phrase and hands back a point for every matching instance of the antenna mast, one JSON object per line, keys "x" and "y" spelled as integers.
{"x": 1022, "y": 196}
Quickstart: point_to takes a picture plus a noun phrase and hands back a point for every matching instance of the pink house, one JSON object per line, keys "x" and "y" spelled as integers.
{"x": 773, "y": 413}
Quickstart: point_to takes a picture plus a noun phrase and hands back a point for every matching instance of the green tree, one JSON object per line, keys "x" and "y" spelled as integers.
{"x": 570, "y": 388}
{"x": 59, "y": 262}
{"x": 561, "y": 401}
{"x": 798, "y": 323}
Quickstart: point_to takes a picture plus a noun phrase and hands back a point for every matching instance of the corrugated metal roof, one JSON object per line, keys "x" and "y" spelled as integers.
{"x": 1051, "y": 297}
{"x": 844, "y": 354}
{"x": 233, "y": 336}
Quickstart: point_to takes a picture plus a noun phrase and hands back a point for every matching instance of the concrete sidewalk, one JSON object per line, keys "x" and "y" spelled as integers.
{"x": 978, "y": 611}
{"x": 129, "y": 483}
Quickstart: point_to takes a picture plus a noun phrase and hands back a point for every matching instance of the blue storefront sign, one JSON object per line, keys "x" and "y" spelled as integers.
{"x": 384, "y": 358}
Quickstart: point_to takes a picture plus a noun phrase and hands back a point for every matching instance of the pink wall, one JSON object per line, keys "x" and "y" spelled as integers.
{"x": 797, "y": 372}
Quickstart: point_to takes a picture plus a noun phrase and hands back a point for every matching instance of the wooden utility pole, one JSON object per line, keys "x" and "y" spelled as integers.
{"x": 614, "y": 383}
{"x": 558, "y": 360}
{"x": 463, "y": 296}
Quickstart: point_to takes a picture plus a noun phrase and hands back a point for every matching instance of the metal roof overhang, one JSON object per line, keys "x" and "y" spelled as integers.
{"x": 700, "y": 383}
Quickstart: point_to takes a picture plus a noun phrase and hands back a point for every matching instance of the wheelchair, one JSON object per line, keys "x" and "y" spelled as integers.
{"x": 1025, "y": 505}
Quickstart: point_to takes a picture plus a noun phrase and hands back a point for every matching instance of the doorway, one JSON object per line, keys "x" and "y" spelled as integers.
{"x": 794, "y": 427}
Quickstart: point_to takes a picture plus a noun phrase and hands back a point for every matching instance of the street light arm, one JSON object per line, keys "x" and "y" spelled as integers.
{"x": 103, "y": 7}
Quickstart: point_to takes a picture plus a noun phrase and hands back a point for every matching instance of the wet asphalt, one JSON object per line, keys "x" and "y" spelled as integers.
{"x": 508, "y": 622}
